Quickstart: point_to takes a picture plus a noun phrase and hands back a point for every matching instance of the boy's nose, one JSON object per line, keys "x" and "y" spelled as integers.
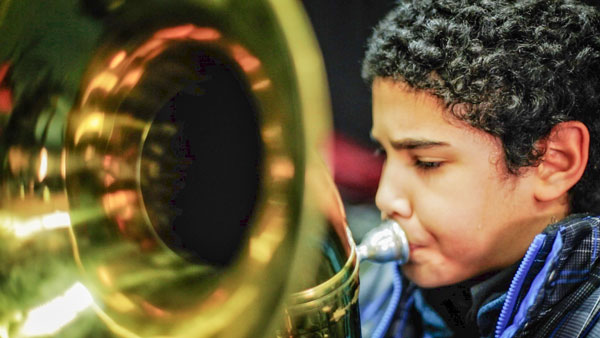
{"x": 391, "y": 198}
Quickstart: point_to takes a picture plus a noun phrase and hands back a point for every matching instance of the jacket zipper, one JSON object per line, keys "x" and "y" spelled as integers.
{"x": 517, "y": 283}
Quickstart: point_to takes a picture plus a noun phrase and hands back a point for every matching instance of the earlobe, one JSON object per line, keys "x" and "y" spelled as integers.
{"x": 564, "y": 160}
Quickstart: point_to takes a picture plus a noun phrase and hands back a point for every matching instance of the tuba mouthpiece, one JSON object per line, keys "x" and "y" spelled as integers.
{"x": 385, "y": 243}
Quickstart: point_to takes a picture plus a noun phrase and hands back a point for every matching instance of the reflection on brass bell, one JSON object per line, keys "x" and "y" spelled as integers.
{"x": 154, "y": 168}
{"x": 161, "y": 174}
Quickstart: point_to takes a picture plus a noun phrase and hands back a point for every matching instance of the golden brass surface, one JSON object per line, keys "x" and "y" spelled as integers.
{"x": 82, "y": 253}
{"x": 326, "y": 305}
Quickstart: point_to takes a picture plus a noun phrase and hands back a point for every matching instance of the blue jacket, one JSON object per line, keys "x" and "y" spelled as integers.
{"x": 554, "y": 293}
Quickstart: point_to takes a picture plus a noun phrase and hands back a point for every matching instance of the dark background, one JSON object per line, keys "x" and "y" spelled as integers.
{"x": 342, "y": 28}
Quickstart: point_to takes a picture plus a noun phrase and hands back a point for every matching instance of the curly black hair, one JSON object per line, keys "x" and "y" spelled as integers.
{"x": 519, "y": 68}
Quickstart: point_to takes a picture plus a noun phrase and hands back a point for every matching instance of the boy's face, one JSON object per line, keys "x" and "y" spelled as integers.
{"x": 446, "y": 184}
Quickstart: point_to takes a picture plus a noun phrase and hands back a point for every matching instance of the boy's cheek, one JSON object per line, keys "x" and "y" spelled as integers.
{"x": 459, "y": 246}
{"x": 450, "y": 218}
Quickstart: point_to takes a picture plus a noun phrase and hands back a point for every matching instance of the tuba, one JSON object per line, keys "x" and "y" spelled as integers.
{"x": 162, "y": 174}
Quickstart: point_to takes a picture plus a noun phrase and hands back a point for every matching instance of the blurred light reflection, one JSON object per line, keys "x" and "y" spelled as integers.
{"x": 263, "y": 246}
{"x": 63, "y": 164}
{"x": 175, "y": 32}
{"x": 247, "y": 61}
{"x": 117, "y": 59}
{"x": 28, "y": 227}
{"x": 6, "y": 100}
{"x": 93, "y": 123}
{"x": 205, "y": 34}
{"x": 261, "y": 84}
{"x": 282, "y": 169}
{"x": 43, "y": 164}
{"x": 132, "y": 77}
{"x": 18, "y": 159}
{"x": 120, "y": 303}
{"x": 3, "y": 71}
{"x": 51, "y": 317}
{"x": 105, "y": 81}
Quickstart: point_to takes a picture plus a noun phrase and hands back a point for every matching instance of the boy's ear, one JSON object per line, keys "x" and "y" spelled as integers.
{"x": 564, "y": 160}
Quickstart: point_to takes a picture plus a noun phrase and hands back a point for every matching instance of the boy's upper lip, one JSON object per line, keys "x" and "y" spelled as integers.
{"x": 413, "y": 242}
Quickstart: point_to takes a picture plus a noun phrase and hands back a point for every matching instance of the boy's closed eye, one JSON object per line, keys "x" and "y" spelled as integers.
{"x": 426, "y": 164}
{"x": 421, "y": 163}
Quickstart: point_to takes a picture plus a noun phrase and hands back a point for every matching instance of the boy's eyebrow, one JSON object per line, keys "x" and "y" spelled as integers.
{"x": 416, "y": 144}
{"x": 411, "y": 143}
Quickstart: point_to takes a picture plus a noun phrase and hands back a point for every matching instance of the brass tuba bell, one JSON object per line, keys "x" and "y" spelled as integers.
{"x": 153, "y": 166}
{"x": 161, "y": 173}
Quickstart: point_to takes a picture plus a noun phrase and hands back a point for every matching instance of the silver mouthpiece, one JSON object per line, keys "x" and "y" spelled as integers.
{"x": 385, "y": 243}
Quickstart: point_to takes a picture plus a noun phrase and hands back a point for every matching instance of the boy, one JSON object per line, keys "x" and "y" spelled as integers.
{"x": 489, "y": 115}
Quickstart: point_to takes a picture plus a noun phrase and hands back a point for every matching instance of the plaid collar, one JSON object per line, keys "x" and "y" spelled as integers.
{"x": 578, "y": 256}
{"x": 562, "y": 264}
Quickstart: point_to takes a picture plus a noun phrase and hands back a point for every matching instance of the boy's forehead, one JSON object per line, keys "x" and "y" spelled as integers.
{"x": 399, "y": 96}
{"x": 401, "y": 109}
{"x": 401, "y": 112}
